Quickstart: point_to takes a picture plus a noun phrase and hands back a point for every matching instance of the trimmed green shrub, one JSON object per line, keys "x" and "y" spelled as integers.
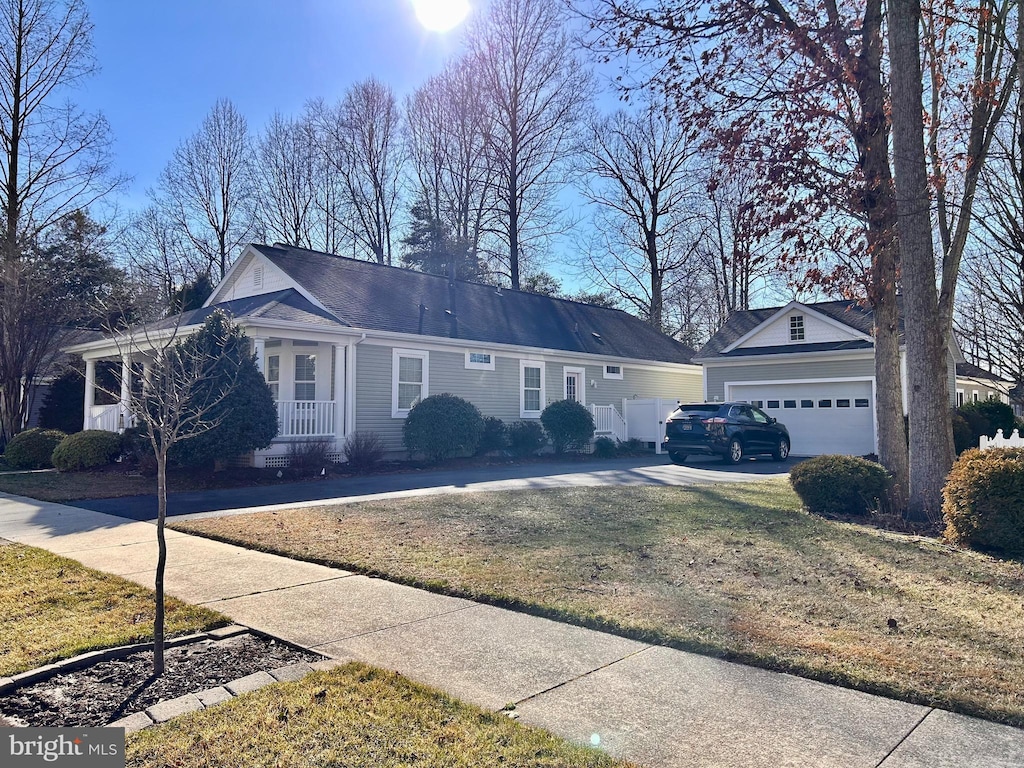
{"x": 363, "y": 450}
{"x": 494, "y": 437}
{"x": 33, "y": 448}
{"x": 525, "y": 438}
{"x": 983, "y": 501}
{"x": 997, "y": 414}
{"x": 843, "y": 485}
{"x": 87, "y": 450}
{"x": 568, "y": 424}
{"x": 442, "y": 426}
{"x": 605, "y": 448}
{"x": 963, "y": 436}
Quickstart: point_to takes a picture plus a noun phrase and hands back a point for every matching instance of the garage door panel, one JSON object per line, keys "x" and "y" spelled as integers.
{"x": 822, "y": 417}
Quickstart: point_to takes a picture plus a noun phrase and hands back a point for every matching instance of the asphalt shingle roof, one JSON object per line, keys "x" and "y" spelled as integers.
{"x": 288, "y": 304}
{"x": 972, "y": 371}
{"x": 375, "y": 297}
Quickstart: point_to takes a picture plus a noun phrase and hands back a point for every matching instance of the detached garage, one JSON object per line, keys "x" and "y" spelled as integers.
{"x": 811, "y": 366}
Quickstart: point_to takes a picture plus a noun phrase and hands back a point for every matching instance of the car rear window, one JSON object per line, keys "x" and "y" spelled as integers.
{"x": 703, "y": 410}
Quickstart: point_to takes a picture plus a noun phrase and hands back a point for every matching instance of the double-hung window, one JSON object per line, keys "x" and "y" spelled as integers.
{"x": 410, "y": 380}
{"x": 274, "y": 375}
{"x": 796, "y": 328}
{"x": 531, "y": 396}
{"x": 305, "y": 377}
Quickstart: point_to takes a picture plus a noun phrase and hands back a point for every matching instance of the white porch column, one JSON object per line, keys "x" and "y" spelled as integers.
{"x": 90, "y": 392}
{"x": 350, "y": 389}
{"x": 258, "y": 347}
{"x": 126, "y": 394}
{"x": 340, "y": 391}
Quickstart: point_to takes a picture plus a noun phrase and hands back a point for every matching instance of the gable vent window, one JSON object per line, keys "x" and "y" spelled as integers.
{"x": 796, "y": 328}
{"x": 257, "y": 277}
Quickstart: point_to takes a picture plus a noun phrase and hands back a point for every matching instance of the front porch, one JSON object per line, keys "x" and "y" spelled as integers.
{"x": 311, "y": 380}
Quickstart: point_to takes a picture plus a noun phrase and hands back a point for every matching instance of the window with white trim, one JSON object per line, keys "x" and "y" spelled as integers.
{"x": 531, "y": 392}
{"x": 974, "y": 395}
{"x": 479, "y": 361}
{"x": 305, "y": 377}
{"x": 274, "y": 375}
{"x": 959, "y": 398}
{"x": 613, "y": 371}
{"x": 796, "y": 328}
{"x": 410, "y": 380}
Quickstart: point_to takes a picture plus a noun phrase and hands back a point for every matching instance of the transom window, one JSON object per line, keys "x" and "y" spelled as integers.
{"x": 410, "y": 380}
{"x": 613, "y": 371}
{"x": 305, "y": 377}
{"x": 477, "y": 360}
{"x": 796, "y": 328}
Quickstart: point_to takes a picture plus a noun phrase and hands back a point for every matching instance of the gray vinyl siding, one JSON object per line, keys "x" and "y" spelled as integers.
{"x": 497, "y": 392}
{"x": 717, "y": 376}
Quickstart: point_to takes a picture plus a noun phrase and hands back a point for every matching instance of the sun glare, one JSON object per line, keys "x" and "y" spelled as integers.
{"x": 441, "y": 15}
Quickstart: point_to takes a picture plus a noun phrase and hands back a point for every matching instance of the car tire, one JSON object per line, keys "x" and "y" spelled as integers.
{"x": 735, "y": 453}
{"x": 781, "y": 452}
{"x": 676, "y": 457}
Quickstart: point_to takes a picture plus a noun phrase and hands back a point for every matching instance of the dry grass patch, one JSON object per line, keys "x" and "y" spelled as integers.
{"x": 53, "y": 608}
{"x": 731, "y": 570}
{"x": 353, "y": 716}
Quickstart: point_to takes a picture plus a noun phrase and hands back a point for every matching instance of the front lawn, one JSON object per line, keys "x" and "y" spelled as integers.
{"x": 353, "y": 716}
{"x": 736, "y": 571}
{"x": 53, "y": 608}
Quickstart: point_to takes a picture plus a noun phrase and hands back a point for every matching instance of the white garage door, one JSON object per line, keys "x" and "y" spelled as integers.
{"x": 822, "y": 417}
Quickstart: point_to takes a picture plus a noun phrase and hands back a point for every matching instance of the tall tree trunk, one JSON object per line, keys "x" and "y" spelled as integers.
{"x": 931, "y": 434}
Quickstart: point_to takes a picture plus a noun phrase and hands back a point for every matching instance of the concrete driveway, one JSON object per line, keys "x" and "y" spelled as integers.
{"x": 644, "y": 470}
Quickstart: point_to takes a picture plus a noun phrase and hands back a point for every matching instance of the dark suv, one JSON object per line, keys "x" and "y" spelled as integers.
{"x": 731, "y": 430}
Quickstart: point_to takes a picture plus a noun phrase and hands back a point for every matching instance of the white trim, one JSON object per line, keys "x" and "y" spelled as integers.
{"x": 523, "y": 365}
{"x": 618, "y": 375}
{"x": 803, "y": 307}
{"x": 401, "y": 413}
{"x": 477, "y": 366}
{"x": 958, "y": 401}
{"x": 787, "y": 356}
{"x": 581, "y": 383}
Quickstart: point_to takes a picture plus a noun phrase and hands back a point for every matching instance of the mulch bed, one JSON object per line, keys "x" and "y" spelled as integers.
{"x": 107, "y": 691}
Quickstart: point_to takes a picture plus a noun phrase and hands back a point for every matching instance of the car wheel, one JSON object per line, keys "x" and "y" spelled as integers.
{"x": 735, "y": 452}
{"x": 781, "y": 451}
{"x": 676, "y": 457}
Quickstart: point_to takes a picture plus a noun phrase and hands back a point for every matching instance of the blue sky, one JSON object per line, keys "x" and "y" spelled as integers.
{"x": 164, "y": 64}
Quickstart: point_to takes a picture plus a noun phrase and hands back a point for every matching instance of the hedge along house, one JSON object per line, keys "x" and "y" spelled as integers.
{"x": 349, "y": 345}
{"x": 811, "y": 366}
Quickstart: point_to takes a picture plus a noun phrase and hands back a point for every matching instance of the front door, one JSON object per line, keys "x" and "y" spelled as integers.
{"x": 572, "y": 387}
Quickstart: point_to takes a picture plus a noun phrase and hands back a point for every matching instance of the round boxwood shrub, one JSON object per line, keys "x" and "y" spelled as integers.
{"x": 33, "y": 448}
{"x": 568, "y": 424}
{"x": 441, "y": 426}
{"x": 839, "y": 485}
{"x": 983, "y": 501}
{"x": 525, "y": 438}
{"x": 605, "y": 448}
{"x": 494, "y": 437}
{"x": 87, "y": 450}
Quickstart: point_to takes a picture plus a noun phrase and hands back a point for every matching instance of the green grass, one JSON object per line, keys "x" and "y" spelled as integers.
{"x": 53, "y": 608}
{"x": 736, "y": 571}
{"x": 352, "y": 716}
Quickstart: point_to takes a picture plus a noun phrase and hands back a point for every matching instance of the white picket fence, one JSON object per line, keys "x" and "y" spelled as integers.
{"x": 1013, "y": 441}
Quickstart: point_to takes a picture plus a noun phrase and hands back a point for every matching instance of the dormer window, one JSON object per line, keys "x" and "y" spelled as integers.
{"x": 796, "y": 328}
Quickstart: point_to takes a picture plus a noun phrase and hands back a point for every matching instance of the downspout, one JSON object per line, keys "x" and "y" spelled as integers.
{"x": 350, "y": 386}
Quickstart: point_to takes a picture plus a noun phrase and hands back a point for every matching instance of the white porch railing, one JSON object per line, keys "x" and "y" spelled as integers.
{"x": 305, "y": 418}
{"x": 108, "y": 418}
{"x": 1013, "y": 441}
{"x": 608, "y": 422}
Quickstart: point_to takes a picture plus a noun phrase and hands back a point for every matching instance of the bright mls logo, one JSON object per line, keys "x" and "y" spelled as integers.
{"x": 80, "y": 747}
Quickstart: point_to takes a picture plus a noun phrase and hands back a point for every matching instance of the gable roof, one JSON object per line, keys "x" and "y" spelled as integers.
{"x": 967, "y": 370}
{"x": 742, "y": 323}
{"x": 368, "y": 296}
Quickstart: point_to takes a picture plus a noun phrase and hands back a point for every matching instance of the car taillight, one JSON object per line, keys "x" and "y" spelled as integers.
{"x": 715, "y": 420}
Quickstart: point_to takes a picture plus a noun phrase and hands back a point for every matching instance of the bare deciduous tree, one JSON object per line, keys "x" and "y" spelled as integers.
{"x": 640, "y": 170}
{"x": 537, "y": 92}
{"x": 287, "y": 177}
{"x": 206, "y": 188}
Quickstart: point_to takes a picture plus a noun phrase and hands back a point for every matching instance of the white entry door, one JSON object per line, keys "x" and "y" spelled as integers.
{"x": 575, "y": 385}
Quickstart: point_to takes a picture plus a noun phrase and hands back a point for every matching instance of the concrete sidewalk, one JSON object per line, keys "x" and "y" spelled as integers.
{"x": 656, "y": 706}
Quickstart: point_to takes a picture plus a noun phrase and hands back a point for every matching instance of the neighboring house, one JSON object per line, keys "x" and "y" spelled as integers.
{"x": 974, "y": 384}
{"x": 349, "y": 345}
{"x": 811, "y": 366}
